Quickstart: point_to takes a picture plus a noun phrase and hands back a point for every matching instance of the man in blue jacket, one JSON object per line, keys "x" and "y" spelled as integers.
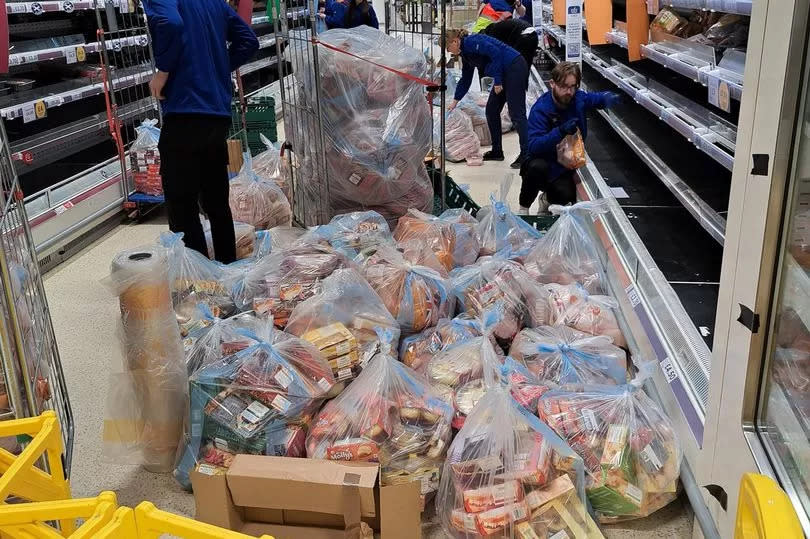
{"x": 557, "y": 113}
{"x": 197, "y": 45}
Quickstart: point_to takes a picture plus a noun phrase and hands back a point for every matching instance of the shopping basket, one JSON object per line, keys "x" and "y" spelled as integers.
{"x": 30, "y": 520}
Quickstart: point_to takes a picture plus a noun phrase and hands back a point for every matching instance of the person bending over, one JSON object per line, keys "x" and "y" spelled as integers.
{"x": 193, "y": 83}
{"x": 558, "y": 112}
{"x": 519, "y": 35}
{"x": 350, "y": 14}
{"x": 509, "y": 72}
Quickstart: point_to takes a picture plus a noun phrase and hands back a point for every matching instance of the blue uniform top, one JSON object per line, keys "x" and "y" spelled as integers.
{"x": 500, "y": 5}
{"x": 528, "y": 15}
{"x": 336, "y": 16}
{"x": 546, "y": 118}
{"x": 489, "y": 55}
{"x": 189, "y": 38}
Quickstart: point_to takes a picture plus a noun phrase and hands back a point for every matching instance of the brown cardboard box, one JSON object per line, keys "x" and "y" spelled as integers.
{"x": 293, "y": 498}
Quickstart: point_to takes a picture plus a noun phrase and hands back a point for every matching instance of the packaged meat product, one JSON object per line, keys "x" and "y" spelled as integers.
{"x": 462, "y": 371}
{"x": 451, "y": 236}
{"x": 346, "y": 320}
{"x": 194, "y": 279}
{"x": 417, "y": 296}
{"x": 210, "y": 338}
{"x": 574, "y": 307}
{"x": 568, "y": 253}
{"x": 246, "y": 246}
{"x": 571, "y": 151}
{"x": 631, "y": 453}
{"x": 270, "y": 165}
{"x": 144, "y": 159}
{"x": 415, "y": 351}
{"x": 496, "y": 280}
{"x": 566, "y": 356}
{"x": 460, "y": 140}
{"x": 390, "y": 415}
{"x": 350, "y": 233}
{"x": 501, "y": 231}
{"x": 257, "y": 201}
{"x": 505, "y": 471}
{"x": 277, "y": 283}
{"x": 258, "y": 401}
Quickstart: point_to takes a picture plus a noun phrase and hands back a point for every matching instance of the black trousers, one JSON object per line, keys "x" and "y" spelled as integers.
{"x": 535, "y": 178}
{"x": 194, "y": 168}
{"x": 515, "y": 80}
{"x": 527, "y": 47}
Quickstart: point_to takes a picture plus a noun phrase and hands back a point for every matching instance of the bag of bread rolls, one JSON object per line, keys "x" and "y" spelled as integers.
{"x": 417, "y": 296}
{"x": 258, "y": 201}
{"x": 453, "y": 239}
{"x": 509, "y": 475}
{"x": 562, "y": 355}
{"x": 574, "y": 307}
{"x": 501, "y": 231}
{"x": 631, "y": 452}
{"x": 390, "y": 415}
{"x": 569, "y": 253}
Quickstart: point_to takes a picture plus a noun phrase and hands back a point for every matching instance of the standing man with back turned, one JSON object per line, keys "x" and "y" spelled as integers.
{"x": 197, "y": 45}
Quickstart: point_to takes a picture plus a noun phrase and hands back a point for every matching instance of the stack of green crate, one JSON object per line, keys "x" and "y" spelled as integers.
{"x": 260, "y": 119}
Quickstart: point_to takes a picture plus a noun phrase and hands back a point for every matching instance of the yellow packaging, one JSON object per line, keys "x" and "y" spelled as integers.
{"x": 333, "y": 341}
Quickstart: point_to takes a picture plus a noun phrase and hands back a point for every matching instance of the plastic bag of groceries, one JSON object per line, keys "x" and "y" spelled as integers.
{"x": 474, "y": 106}
{"x": 525, "y": 387}
{"x": 568, "y": 253}
{"x": 509, "y": 475}
{"x": 257, "y": 201}
{"x": 460, "y": 140}
{"x": 210, "y": 338}
{"x": 245, "y": 239}
{"x": 631, "y": 453}
{"x": 574, "y": 307}
{"x": 194, "y": 279}
{"x": 571, "y": 151}
{"x": 278, "y": 282}
{"x": 501, "y": 230}
{"x": 451, "y": 236}
{"x": 258, "y": 401}
{"x": 417, "y": 296}
{"x": 352, "y": 232}
{"x": 415, "y": 351}
{"x": 284, "y": 237}
{"x": 145, "y": 159}
{"x": 270, "y": 165}
{"x": 566, "y": 356}
{"x": 459, "y": 373}
{"x": 498, "y": 280}
{"x": 390, "y": 415}
{"x": 345, "y": 321}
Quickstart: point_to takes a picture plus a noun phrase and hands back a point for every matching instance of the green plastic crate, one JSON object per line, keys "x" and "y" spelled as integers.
{"x": 260, "y": 118}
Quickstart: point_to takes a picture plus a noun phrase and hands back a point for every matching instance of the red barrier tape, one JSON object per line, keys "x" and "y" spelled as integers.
{"x": 414, "y": 78}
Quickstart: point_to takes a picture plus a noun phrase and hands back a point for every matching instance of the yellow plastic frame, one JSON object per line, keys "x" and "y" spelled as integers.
{"x": 28, "y": 520}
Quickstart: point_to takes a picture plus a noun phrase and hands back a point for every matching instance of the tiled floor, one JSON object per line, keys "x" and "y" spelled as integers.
{"x": 84, "y": 314}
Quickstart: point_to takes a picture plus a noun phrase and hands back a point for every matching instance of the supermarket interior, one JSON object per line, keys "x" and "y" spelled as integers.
{"x": 601, "y": 330}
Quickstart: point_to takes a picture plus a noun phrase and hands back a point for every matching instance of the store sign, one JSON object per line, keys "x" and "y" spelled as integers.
{"x": 573, "y": 31}
{"x": 719, "y": 93}
{"x": 537, "y": 13}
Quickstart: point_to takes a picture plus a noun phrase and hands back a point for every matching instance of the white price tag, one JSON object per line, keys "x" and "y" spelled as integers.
{"x": 632, "y": 295}
{"x": 70, "y": 55}
{"x": 63, "y": 208}
{"x": 537, "y": 13}
{"x": 31, "y": 58}
{"x": 669, "y": 370}
{"x": 16, "y": 7}
{"x": 124, "y": 5}
{"x": 29, "y": 113}
{"x": 719, "y": 93}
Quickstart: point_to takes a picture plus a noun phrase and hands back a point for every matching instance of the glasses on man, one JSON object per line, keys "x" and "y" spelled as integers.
{"x": 567, "y": 87}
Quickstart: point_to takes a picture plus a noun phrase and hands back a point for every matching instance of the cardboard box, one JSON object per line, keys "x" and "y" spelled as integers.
{"x": 295, "y": 498}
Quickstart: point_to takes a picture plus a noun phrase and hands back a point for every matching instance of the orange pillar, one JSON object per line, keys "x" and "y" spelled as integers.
{"x": 558, "y": 10}
{"x": 638, "y": 28}
{"x": 599, "y": 20}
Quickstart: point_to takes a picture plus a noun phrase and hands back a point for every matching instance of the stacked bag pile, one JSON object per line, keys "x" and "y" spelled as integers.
{"x": 471, "y": 355}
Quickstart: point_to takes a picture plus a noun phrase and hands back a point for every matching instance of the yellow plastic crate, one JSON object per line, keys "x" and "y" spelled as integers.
{"x": 764, "y": 511}
{"x": 30, "y": 520}
{"x": 148, "y": 522}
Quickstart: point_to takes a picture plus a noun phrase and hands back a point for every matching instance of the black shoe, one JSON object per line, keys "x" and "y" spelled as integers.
{"x": 492, "y": 156}
{"x": 517, "y": 162}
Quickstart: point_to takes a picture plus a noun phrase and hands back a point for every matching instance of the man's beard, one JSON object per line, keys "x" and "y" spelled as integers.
{"x": 564, "y": 99}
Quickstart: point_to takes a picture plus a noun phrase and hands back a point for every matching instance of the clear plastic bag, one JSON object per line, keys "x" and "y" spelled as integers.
{"x": 346, "y": 321}
{"x": 501, "y": 230}
{"x": 460, "y": 140}
{"x": 245, "y": 239}
{"x": 257, "y": 201}
{"x": 509, "y": 475}
{"x": 270, "y": 165}
{"x": 350, "y": 233}
{"x": 452, "y": 238}
{"x": 278, "y": 282}
{"x": 571, "y": 151}
{"x": 565, "y": 356}
{"x": 281, "y": 238}
{"x": 497, "y": 280}
{"x": 568, "y": 253}
{"x": 631, "y": 452}
{"x": 417, "y": 296}
{"x": 461, "y": 372}
{"x": 145, "y": 159}
{"x": 258, "y": 401}
{"x": 415, "y": 351}
{"x": 524, "y": 386}
{"x": 390, "y": 415}
{"x": 194, "y": 279}
{"x": 574, "y": 307}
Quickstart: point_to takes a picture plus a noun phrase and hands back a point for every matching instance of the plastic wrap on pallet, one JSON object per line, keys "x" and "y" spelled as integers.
{"x": 377, "y": 123}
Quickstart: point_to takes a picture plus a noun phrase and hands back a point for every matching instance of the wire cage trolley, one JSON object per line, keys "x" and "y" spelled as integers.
{"x": 128, "y": 66}
{"x": 32, "y": 380}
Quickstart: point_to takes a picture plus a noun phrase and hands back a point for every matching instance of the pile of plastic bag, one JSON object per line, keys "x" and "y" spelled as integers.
{"x": 452, "y": 236}
{"x": 258, "y": 201}
{"x": 509, "y": 475}
{"x": 378, "y": 124}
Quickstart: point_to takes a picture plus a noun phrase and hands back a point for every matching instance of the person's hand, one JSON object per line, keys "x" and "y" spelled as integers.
{"x": 322, "y": 15}
{"x": 612, "y": 99}
{"x": 157, "y": 83}
{"x": 569, "y": 127}
{"x": 498, "y": 88}
{"x": 452, "y": 105}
